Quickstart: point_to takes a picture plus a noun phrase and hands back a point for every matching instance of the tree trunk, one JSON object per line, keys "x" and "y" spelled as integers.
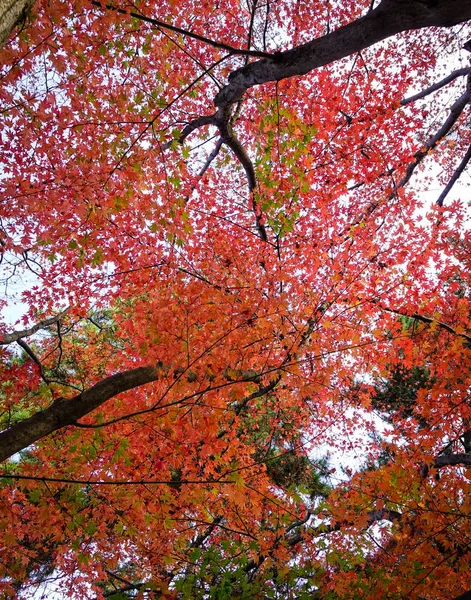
{"x": 12, "y": 13}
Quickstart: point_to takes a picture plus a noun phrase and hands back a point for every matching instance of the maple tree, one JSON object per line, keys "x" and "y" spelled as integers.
{"x": 230, "y": 275}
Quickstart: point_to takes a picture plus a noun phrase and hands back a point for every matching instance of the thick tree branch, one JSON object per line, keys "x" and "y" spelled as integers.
{"x": 12, "y": 13}
{"x": 450, "y": 460}
{"x": 65, "y": 412}
{"x": 389, "y": 18}
{"x": 445, "y": 460}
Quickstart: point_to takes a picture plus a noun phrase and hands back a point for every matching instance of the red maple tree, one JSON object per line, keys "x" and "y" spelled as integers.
{"x": 232, "y": 272}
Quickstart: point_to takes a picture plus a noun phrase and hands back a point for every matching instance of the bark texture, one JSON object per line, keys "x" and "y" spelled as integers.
{"x": 12, "y": 13}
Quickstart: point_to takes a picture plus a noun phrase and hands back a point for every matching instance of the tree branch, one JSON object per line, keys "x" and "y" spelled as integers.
{"x": 195, "y": 36}
{"x": 464, "y": 596}
{"x": 65, "y": 412}
{"x": 8, "y": 338}
{"x": 456, "y": 175}
{"x": 229, "y": 138}
{"x": 428, "y": 321}
{"x": 450, "y": 460}
{"x": 455, "y": 113}
{"x": 192, "y": 126}
{"x": 119, "y": 482}
{"x": 34, "y": 358}
{"x": 389, "y": 18}
{"x": 436, "y": 86}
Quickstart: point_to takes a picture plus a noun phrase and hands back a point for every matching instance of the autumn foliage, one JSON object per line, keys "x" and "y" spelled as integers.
{"x": 242, "y": 363}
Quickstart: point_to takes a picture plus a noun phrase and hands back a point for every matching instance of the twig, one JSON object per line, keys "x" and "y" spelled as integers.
{"x": 112, "y": 482}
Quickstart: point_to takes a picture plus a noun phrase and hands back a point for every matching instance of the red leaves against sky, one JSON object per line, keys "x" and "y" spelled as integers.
{"x": 263, "y": 349}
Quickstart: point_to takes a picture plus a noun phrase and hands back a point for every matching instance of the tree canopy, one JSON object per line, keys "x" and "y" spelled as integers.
{"x": 243, "y": 365}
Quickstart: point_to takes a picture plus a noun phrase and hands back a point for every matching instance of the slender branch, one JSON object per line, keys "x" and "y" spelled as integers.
{"x": 30, "y": 353}
{"x": 456, "y": 175}
{"x": 185, "y": 32}
{"x": 455, "y": 113}
{"x": 113, "y": 481}
{"x": 8, "y": 338}
{"x": 192, "y": 126}
{"x": 211, "y": 157}
{"x": 239, "y": 407}
{"x": 251, "y": 26}
{"x": 228, "y": 137}
{"x": 429, "y": 321}
{"x": 205, "y": 534}
{"x": 299, "y": 522}
{"x": 436, "y": 86}
{"x": 126, "y": 588}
